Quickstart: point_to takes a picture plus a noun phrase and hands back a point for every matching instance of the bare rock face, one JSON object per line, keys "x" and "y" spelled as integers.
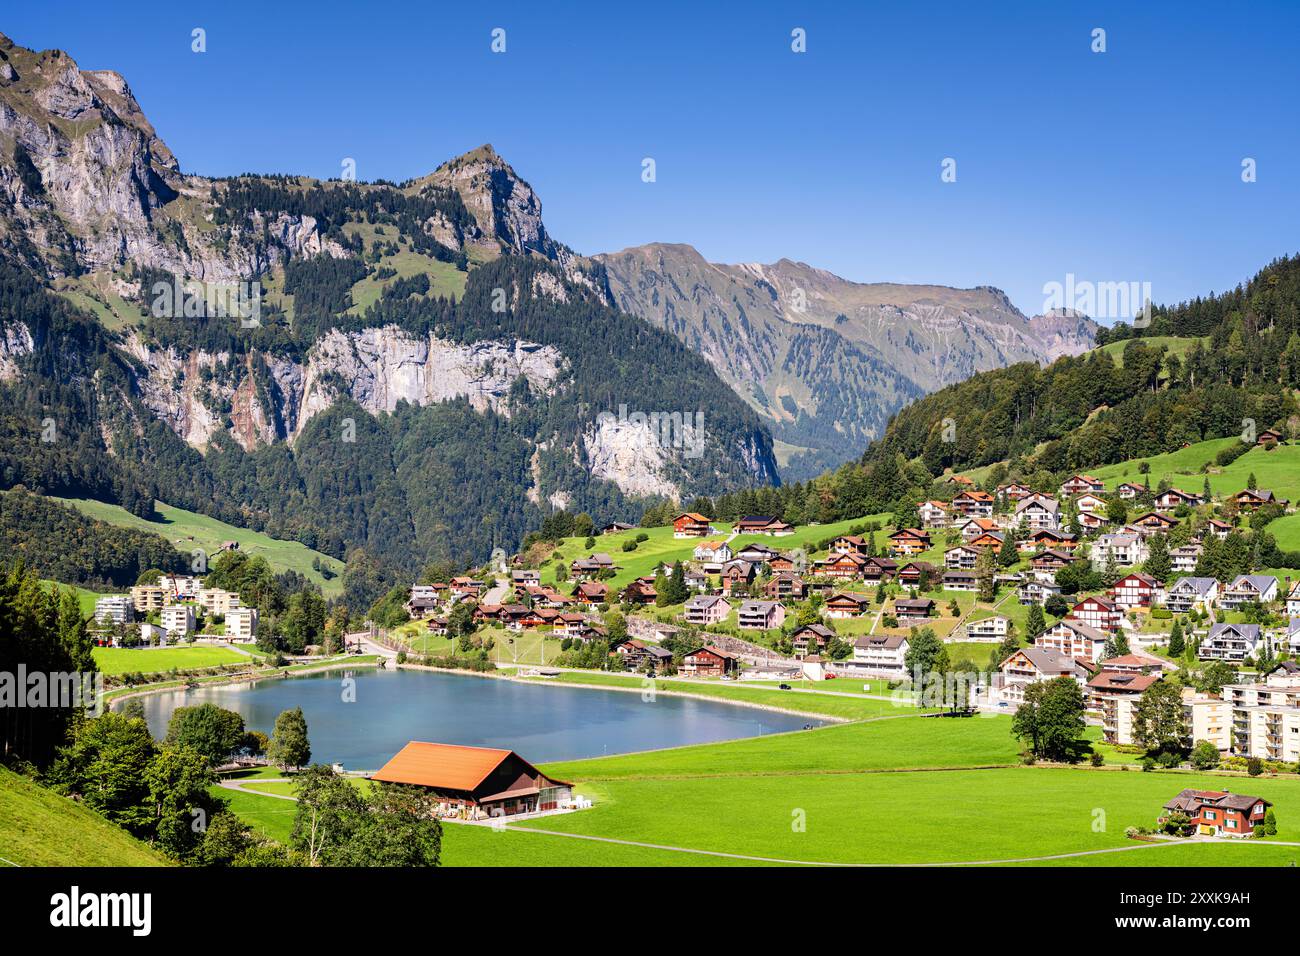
{"x": 385, "y": 366}
{"x": 505, "y": 208}
{"x": 15, "y": 341}
{"x": 1064, "y": 332}
{"x": 628, "y": 454}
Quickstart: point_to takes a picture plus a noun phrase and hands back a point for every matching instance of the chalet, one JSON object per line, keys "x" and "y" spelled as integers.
{"x": 1111, "y": 698}
{"x": 987, "y": 630}
{"x": 1171, "y": 498}
{"x": 1049, "y": 562}
{"x": 1293, "y": 601}
{"x": 960, "y": 581}
{"x": 816, "y": 636}
{"x": 762, "y": 524}
{"x": 1098, "y": 612}
{"x": 1249, "y": 589}
{"x": 849, "y": 544}
{"x": 1014, "y": 491}
{"x": 933, "y": 514}
{"x": 705, "y": 609}
{"x": 1047, "y": 538}
{"x": 636, "y": 654}
{"x": 1220, "y": 529}
{"x": 878, "y": 569}
{"x": 422, "y": 607}
{"x": 783, "y": 562}
{"x": 689, "y": 524}
{"x": 1248, "y": 499}
{"x": 972, "y": 529}
{"x": 463, "y": 587}
{"x": 1230, "y": 642}
{"x": 1135, "y": 590}
{"x": 1190, "y": 593}
{"x": 640, "y": 591}
{"x": 1154, "y": 521}
{"x": 974, "y": 503}
{"x": 1089, "y": 521}
{"x": 879, "y": 655}
{"x": 841, "y": 566}
{"x": 846, "y": 605}
{"x": 737, "y": 574}
{"x": 437, "y": 626}
{"x": 488, "y": 612}
{"x": 616, "y": 527}
{"x": 710, "y": 662}
{"x": 919, "y": 609}
{"x": 757, "y": 554}
{"x": 1129, "y": 491}
{"x": 1184, "y": 558}
{"x": 1219, "y": 812}
{"x": 1038, "y": 514}
{"x": 988, "y": 539}
{"x": 1090, "y": 502}
{"x": 915, "y": 573}
{"x": 1073, "y": 639}
{"x": 1034, "y": 591}
{"x": 524, "y": 578}
{"x": 960, "y": 480}
{"x": 785, "y": 586}
{"x": 572, "y": 625}
{"x": 476, "y": 782}
{"x": 760, "y": 615}
{"x": 909, "y": 541}
{"x": 1123, "y": 548}
{"x": 1270, "y": 436}
{"x": 1029, "y": 665}
{"x": 713, "y": 552}
{"x": 1291, "y": 640}
{"x": 589, "y": 567}
{"x": 960, "y": 558}
{"x": 696, "y": 580}
{"x": 1078, "y": 484}
{"x": 591, "y": 592}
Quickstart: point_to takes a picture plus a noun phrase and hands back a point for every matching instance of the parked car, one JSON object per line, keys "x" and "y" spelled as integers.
{"x": 785, "y": 687}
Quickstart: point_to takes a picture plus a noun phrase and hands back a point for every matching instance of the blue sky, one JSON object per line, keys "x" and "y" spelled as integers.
{"x": 1116, "y": 166}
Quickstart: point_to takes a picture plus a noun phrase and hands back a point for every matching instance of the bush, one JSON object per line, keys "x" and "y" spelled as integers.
{"x": 1148, "y": 765}
{"x": 1205, "y": 756}
{"x": 1168, "y": 760}
{"x": 1097, "y": 759}
{"x": 401, "y": 657}
{"x": 629, "y": 545}
{"x": 1254, "y": 766}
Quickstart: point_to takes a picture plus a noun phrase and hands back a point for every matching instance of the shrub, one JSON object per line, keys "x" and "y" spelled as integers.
{"x": 1205, "y": 756}
{"x": 1148, "y": 765}
{"x": 1097, "y": 759}
{"x": 1254, "y": 766}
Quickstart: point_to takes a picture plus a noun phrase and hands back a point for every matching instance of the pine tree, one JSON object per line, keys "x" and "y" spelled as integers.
{"x": 1176, "y": 643}
{"x": 1035, "y": 623}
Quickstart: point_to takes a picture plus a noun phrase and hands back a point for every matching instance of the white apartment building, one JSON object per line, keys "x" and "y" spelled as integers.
{"x": 178, "y": 619}
{"x": 991, "y": 629}
{"x": 217, "y": 601}
{"x": 114, "y": 609}
{"x": 241, "y": 624}
{"x": 878, "y": 655}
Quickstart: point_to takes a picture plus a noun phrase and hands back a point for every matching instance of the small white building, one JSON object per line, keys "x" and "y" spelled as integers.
{"x": 178, "y": 620}
{"x": 114, "y": 609}
{"x": 241, "y": 624}
{"x": 990, "y": 629}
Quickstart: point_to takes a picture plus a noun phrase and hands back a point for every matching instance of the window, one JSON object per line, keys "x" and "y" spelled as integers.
{"x": 1232, "y": 824}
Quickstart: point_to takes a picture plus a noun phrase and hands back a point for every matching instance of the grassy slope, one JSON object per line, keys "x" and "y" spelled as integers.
{"x": 85, "y": 598}
{"x": 120, "y": 660}
{"x": 188, "y": 530}
{"x": 1177, "y": 345}
{"x": 40, "y": 828}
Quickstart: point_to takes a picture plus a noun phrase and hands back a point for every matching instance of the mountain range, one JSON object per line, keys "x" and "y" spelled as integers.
{"x": 427, "y": 370}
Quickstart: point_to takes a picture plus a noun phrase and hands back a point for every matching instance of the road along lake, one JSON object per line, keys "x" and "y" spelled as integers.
{"x": 362, "y": 724}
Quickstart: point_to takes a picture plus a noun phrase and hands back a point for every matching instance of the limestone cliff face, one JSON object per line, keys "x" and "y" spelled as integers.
{"x": 376, "y": 368}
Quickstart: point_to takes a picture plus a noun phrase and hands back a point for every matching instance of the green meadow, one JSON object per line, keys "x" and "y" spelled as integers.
{"x": 122, "y": 660}
{"x": 188, "y": 530}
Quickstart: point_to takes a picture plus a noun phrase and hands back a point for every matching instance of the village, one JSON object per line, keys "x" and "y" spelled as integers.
{"x": 1105, "y": 586}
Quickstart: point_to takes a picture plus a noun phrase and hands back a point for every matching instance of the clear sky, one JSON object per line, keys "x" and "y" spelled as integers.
{"x": 1122, "y": 166}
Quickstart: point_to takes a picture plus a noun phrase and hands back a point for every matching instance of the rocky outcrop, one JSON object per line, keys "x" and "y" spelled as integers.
{"x": 1064, "y": 332}
{"x": 628, "y": 454}
{"x": 15, "y": 341}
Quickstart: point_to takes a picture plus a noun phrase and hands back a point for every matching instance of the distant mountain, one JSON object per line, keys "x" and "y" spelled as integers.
{"x": 827, "y": 361}
{"x": 422, "y": 371}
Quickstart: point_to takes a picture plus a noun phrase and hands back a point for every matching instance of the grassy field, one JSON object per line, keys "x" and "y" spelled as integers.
{"x": 821, "y": 702}
{"x": 1177, "y": 345}
{"x": 188, "y": 530}
{"x": 40, "y": 828}
{"x": 1277, "y": 470}
{"x": 85, "y": 597}
{"x": 121, "y": 660}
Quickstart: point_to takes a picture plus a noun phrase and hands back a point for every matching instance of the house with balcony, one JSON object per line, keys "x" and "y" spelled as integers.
{"x": 842, "y": 566}
{"x": 1249, "y": 589}
{"x": 760, "y": 615}
{"x": 879, "y": 655}
{"x": 960, "y": 581}
{"x": 1111, "y": 697}
{"x": 989, "y": 630}
{"x": 811, "y": 639}
{"x": 705, "y": 609}
{"x": 846, "y": 605}
{"x": 1183, "y": 559}
{"x": 960, "y": 558}
{"x": 909, "y": 541}
{"x": 1136, "y": 590}
{"x": 1079, "y": 484}
{"x": 1251, "y": 499}
{"x": 1125, "y": 548}
{"x": 786, "y": 586}
{"x": 974, "y": 503}
{"x": 1033, "y": 591}
{"x": 1219, "y": 812}
{"x": 1099, "y": 612}
{"x": 1029, "y": 665}
{"x": 1230, "y": 642}
{"x": 1191, "y": 593}
{"x": 1073, "y": 639}
{"x": 934, "y": 514}
{"x": 1171, "y": 498}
